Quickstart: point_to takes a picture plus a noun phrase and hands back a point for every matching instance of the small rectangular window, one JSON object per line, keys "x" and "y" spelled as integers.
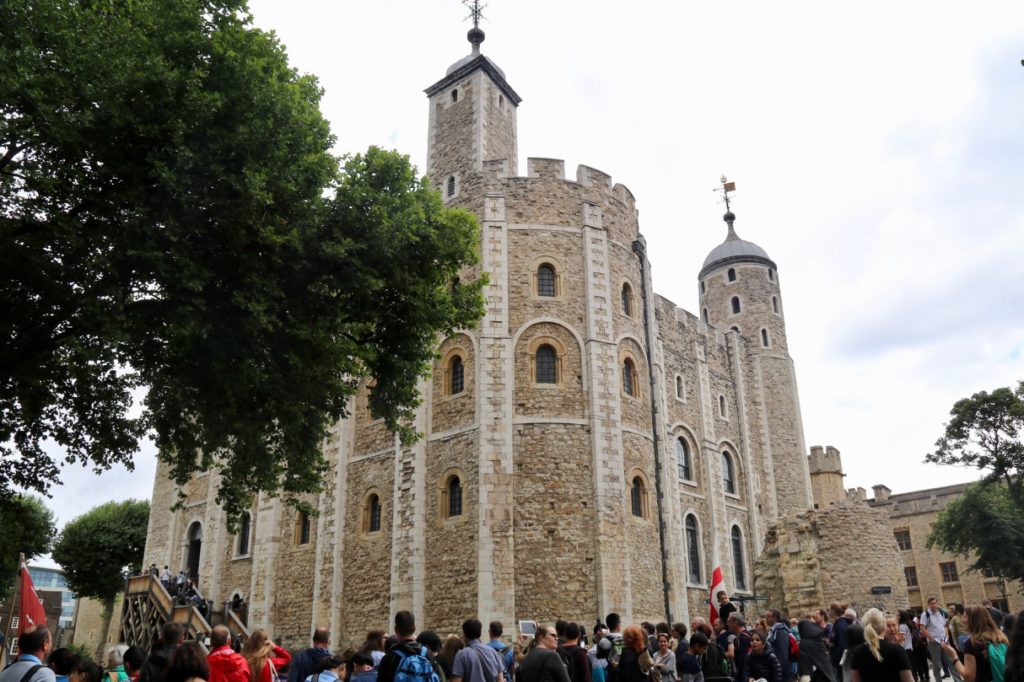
{"x": 949, "y": 572}
{"x": 903, "y": 538}
{"x": 910, "y": 573}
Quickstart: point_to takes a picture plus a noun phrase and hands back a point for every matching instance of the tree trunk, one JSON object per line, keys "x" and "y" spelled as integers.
{"x": 108, "y": 615}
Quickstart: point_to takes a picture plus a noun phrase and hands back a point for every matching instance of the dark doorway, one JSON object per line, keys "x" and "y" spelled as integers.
{"x": 195, "y": 545}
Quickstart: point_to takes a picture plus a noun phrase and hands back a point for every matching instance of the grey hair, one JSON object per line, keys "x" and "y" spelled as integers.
{"x": 115, "y": 656}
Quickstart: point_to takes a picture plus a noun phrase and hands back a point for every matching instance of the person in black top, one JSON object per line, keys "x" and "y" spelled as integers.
{"x": 878, "y": 660}
{"x": 725, "y": 607}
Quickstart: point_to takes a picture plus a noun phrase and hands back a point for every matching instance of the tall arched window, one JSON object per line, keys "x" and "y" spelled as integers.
{"x": 372, "y": 514}
{"x": 735, "y": 305}
{"x": 636, "y": 497}
{"x": 737, "y": 558}
{"x": 721, "y": 407}
{"x": 704, "y": 315}
{"x": 458, "y": 376}
{"x": 547, "y": 369}
{"x": 454, "y": 496}
{"x": 683, "y": 459}
{"x": 771, "y": 275}
{"x": 627, "y": 299}
{"x": 546, "y": 281}
{"x": 244, "y": 529}
{"x": 680, "y": 389}
{"x": 692, "y": 549}
{"x": 451, "y": 185}
{"x": 764, "y": 338}
{"x": 775, "y": 305}
{"x": 304, "y": 528}
{"x": 732, "y": 274}
{"x": 728, "y": 473}
{"x": 629, "y": 382}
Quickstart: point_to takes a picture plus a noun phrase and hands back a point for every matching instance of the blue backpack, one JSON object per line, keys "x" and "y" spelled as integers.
{"x": 415, "y": 668}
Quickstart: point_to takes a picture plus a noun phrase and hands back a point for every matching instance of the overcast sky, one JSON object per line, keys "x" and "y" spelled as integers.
{"x": 877, "y": 149}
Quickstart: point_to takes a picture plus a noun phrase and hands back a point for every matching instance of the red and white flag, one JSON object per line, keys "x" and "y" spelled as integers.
{"x": 717, "y": 585}
{"x": 31, "y": 611}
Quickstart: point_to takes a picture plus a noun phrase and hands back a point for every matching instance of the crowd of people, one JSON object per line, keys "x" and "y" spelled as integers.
{"x": 976, "y": 643}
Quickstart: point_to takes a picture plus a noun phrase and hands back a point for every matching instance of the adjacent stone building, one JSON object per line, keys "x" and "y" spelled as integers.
{"x": 589, "y": 447}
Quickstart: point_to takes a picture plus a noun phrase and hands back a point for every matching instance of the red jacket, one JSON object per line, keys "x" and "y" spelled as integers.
{"x": 227, "y": 666}
{"x": 280, "y": 658}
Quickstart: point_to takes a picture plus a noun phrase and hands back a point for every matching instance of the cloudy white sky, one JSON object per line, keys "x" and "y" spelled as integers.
{"x": 877, "y": 148}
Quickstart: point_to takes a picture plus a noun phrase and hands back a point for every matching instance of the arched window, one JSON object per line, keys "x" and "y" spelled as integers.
{"x": 457, "y": 372}
{"x": 627, "y": 300}
{"x": 775, "y": 305}
{"x": 704, "y": 315}
{"x": 451, "y": 185}
{"x": 728, "y": 473}
{"x": 455, "y": 95}
{"x": 636, "y": 497}
{"x": 244, "y": 529}
{"x": 454, "y": 496}
{"x": 764, "y": 337}
{"x": 721, "y": 407}
{"x": 629, "y": 378}
{"x": 737, "y": 558}
{"x": 735, "y": 305}
{"x": 771, "y": 275}
{"x": 680, "y": 388}
{"x": 692, "y": 549}
{"x": 732, "y": 274}
{"x": 683, "y": 459}
{"x": 547, "y": 369}
{"x": 702, "y": 287}
{"x": 372, "y": 514}
{"x": 303, "y": 529}
{"x": 546, "y": 280}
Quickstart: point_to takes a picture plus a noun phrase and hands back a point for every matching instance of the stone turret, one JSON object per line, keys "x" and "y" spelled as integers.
{"x": 826, "y": 470}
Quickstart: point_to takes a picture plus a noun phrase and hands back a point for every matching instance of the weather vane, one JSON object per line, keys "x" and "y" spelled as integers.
{"x": 727, "y": 186}
{"x": 476, "y": 11}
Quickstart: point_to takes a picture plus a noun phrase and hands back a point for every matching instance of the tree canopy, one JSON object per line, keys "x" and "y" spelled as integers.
{"x": 986, "y": 525}
{"x": 27, "y": 528}
{"x": 101, "y": 548}
{"x": 172, "y": 218}
{"x": 984, "y": 432}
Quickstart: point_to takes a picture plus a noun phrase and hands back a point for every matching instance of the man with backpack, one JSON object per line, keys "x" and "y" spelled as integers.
{"x": 407, "y": 660}
{"x": 495, "y": 630}
{"x": 779, "y": 640}
{"x": 34, "y": 645}
{"x": 933, "y": 622}
{"x": 476, "y": 662}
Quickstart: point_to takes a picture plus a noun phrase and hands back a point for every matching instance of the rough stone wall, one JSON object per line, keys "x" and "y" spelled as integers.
{"x": 453, "y": 411}
{"x": 499, "y": 128}
{"x": 564, "y": 399}
{"x": 820, "y": 556}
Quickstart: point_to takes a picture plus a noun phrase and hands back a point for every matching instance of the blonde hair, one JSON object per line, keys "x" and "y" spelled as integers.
{"x": 874, "y": 630}
{"x": 257, "y": 650}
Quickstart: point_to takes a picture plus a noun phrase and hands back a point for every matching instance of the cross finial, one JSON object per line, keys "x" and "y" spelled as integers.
{"x": 476, "y": 11}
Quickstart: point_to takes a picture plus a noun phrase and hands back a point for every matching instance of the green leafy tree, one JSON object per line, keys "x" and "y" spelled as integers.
{"x": 985, "y": 524}
{"x": 171, "y": 217}
{"x": 984, "y": 432}
{"x": 27, "y": 528}
{"x": 100, "y": 549}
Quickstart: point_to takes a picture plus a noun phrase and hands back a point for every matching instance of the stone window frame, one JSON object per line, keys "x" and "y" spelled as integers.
{"x": 704, "y": 316}
{"x": 627, "y": 301}
{"x": 451, "y": 186}
{"x": 558, "y": 347}
{"x": 703, "y": 288}
{"x": 910, "y": 575}
{"x": 771, "y": 274}
{"x": 303, "y": 529}
{"x": 636, "y": 474}
{"x": 366, "y": 512}
{"x": 776, "y": 308}
{"x": 245, "y": 529}
{"x": 949, "y": 573}
{"x": 731, "y": 276}
{"x": 446, "y": 363}
{"x": 688, "y": 514}
{"x": 727, "y": 449}
{"x": 687, "y": 452}
{"x": 455, "y": 95}
{"x": 902, "y": 536}
{"x": 626, "y": 354}
{"x": 766, "y": 339}
{"x": 443, "y": 486}
{"x": 685, "y": 433}
{"x": 739, "y": 571}
{"x": 535, "y": 266}
{"x": 723, "y": 407}
{"x": 735, "y": 306}
{"x": 680, "y": 388}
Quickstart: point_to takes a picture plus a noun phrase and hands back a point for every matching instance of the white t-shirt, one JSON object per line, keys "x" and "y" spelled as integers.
{"x": 935, "y": 624}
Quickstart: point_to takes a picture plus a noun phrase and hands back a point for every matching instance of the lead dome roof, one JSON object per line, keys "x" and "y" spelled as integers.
{"x": 735, "y": 250}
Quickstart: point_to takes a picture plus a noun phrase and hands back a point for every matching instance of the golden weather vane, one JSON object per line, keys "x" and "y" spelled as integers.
{"x": 727, "y": 186}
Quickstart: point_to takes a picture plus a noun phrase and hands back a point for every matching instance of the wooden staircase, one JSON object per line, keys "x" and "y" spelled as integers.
{"x": 148, "y": 605}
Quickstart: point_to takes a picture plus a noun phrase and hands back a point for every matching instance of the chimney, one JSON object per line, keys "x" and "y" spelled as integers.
{"x": 881, "y": 492}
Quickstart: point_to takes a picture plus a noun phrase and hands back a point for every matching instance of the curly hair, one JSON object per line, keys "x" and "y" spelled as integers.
{"x": 634, "y": 638}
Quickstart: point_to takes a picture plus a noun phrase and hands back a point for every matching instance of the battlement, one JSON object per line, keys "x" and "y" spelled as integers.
{"x": 540, "y": 167}
{"x": 825, "y": 460}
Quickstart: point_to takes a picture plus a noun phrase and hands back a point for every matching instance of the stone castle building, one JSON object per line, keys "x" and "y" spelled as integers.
{"x": 589, "y": 447}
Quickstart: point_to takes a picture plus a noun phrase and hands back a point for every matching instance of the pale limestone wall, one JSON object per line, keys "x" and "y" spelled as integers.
{"x": 820, "y": 556}
{"x": 88, "y": 629}
{"x": 916, "y": 512}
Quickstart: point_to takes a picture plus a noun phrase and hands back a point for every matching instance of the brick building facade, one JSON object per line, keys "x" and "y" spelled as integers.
{"x": 589, "y": 447}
